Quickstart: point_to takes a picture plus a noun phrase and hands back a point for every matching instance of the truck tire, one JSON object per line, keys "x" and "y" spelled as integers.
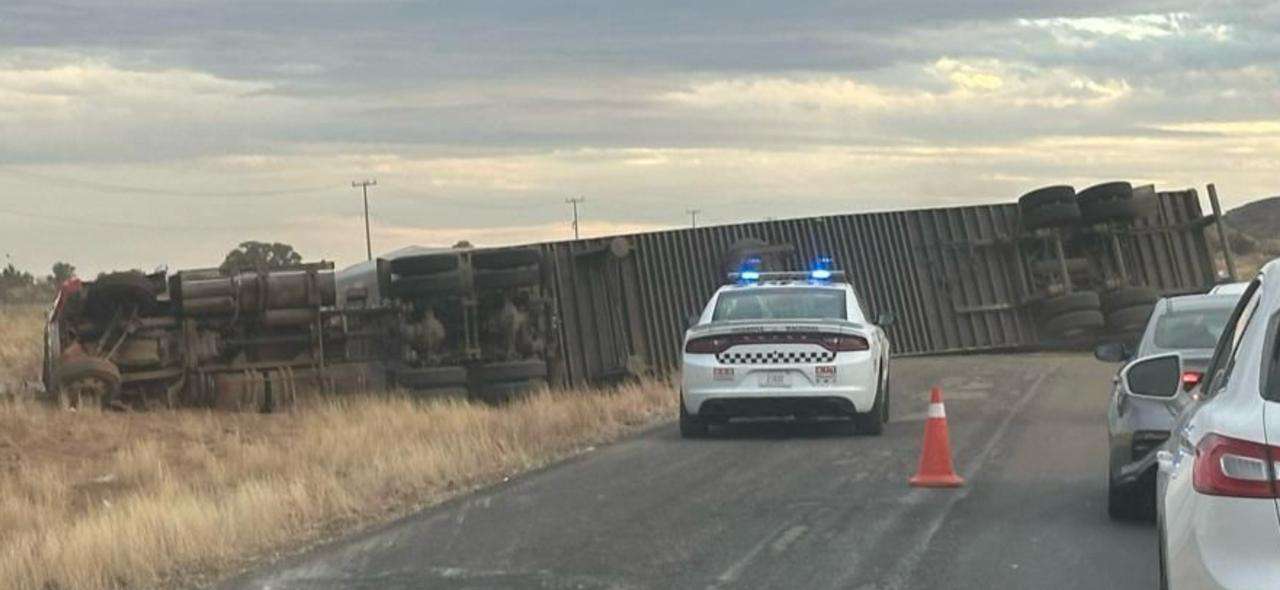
{"x": 443, "y": 283}
{"x": 1129, "y": 319}
{"x": 1071, "y": 302}
{"x": 425, "y": 264}
{"x": 1075, "y": 267}
{"x": 85, "y": 381}
{"x": 739, "y": 252}
{"x": 119, "y": 290}
{"x": 1107, "y": 202}
{"x": 510, "y": 278}
{"x": 505, "y": 258}
{"x": 501, "y": 392}
{"x": 1073, "y": 325}
{"x": 1051, "y": 206}
{"x": 1128, "y": 297}
{"x": 508, "y": 371}
{"x": 431, "y": 377}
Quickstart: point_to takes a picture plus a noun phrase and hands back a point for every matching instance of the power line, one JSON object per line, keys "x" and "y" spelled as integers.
{"x": 63, "y": 219}
{"x": 135, "y": 190}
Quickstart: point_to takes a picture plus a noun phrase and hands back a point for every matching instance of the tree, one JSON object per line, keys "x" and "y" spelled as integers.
{"x": 463, "y": 244}
{"x": 254, "y": 255}
{"x": 62, "y": 271}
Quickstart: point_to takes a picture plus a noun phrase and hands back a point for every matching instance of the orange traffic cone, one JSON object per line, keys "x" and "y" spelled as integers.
{"x": 936, "y": 470}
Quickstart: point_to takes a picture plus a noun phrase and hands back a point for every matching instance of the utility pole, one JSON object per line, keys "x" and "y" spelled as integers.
{"x": 575, "y": 201}
{"x": 1222, "y": 231}
{"x": 693, "y": 217}
{"x": 364, "y": 189}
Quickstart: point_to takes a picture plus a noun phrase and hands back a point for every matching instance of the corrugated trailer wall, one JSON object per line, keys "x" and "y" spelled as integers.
{"x": 953, "y": 277}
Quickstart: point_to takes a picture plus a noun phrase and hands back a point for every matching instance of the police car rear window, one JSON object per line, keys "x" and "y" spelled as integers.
{"x": 781, "y": 304}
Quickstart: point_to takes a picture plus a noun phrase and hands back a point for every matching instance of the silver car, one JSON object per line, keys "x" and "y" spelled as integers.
{"x": 1137, "y": 423}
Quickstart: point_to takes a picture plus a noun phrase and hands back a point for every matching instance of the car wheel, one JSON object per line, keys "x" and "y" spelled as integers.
{"x": 872, "y": 421}
{"x": 1120, "y": 502}
{"x": 691, "y": 426}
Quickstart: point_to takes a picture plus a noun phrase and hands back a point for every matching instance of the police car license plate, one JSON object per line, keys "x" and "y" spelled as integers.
{"x": 775, "y": 379}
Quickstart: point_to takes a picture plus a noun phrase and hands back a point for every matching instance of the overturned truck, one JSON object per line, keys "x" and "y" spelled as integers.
{"x": 1059, "y": 267}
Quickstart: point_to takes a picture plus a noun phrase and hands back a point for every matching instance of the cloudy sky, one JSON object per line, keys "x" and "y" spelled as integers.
{"x": 135, "y": 134}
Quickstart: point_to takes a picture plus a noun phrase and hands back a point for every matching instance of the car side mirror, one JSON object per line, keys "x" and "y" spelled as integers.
{"x": 885, "y": 319}
{"x": 1111, "y": 352}
{"x": 1157, "y": 376}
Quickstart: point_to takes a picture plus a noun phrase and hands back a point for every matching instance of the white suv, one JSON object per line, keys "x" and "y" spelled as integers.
{"x": 785, "y": 345}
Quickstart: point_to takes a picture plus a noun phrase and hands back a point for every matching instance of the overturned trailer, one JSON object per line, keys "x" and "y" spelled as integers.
{"x": 1060, "y": 269}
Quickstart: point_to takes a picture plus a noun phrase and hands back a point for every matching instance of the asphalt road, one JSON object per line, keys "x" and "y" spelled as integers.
{"x": 790, "y": 506}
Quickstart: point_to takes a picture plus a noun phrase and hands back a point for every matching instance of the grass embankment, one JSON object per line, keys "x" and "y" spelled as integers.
{"x": 21, "y": 331}
{"x": 108, "y": 500}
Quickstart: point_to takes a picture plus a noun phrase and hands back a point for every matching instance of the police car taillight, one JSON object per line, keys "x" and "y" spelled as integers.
{"x": 846, "y": 343}
{"x": 707, "y": 345}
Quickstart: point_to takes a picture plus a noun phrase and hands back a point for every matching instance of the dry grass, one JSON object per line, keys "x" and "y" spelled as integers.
{"x": 21, "y": 331}
{"x": 113, "y": 500}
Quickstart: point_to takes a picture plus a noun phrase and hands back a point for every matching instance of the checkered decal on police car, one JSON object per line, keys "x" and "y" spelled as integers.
{"x": 776, "y": 357}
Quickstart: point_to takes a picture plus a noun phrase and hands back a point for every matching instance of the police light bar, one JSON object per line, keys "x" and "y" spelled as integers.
{"x": 820, "y": 275}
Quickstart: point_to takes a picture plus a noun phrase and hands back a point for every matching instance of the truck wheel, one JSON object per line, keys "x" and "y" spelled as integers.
{"x": 431, "y": 377}
{"x": 510, "y": 278}
{"x": 1129, "y": 319}
{"x": 87, "y": 382}
{"x": 1129, "y": 297}
{"x": 1075, "y": 267}
{"x": 425, "y": 264}
{"x": 1076, "y": 301}
{"x": 1073, "y": 325}
{"x": 501, "y": 392}
{"x": 442, "y": 283}
{"x": 119, "y": 290}
{"x": 739, "y": 252}
{"x": 691, "y": 426}
{"x": 505, "y": 258}
{"x": 1108, "y": 201}
{"x": 508, "y": 371}
{"x": 1051, "y": 206}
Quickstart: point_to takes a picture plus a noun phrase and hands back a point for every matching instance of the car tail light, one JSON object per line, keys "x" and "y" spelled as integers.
{"x": 1227, "y": 466}
{"x": 1190, "y": 379}
{"x": 707, "y": 345}
{"x": 845, "y": 343}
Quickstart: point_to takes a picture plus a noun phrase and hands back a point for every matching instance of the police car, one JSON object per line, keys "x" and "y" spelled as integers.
{"x": 785, "y": 344}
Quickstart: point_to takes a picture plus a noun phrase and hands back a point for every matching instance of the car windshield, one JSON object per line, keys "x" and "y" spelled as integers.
{"x": 781, "y": 304}
{"x": 1191, "y": 329}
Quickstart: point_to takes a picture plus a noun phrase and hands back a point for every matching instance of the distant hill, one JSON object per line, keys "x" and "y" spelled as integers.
{"x": 1259, "y": 220}
{"x": 1253, "y": 230}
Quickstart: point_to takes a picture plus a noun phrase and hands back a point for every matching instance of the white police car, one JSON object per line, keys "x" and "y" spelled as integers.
{"x": 785, "y": 344}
